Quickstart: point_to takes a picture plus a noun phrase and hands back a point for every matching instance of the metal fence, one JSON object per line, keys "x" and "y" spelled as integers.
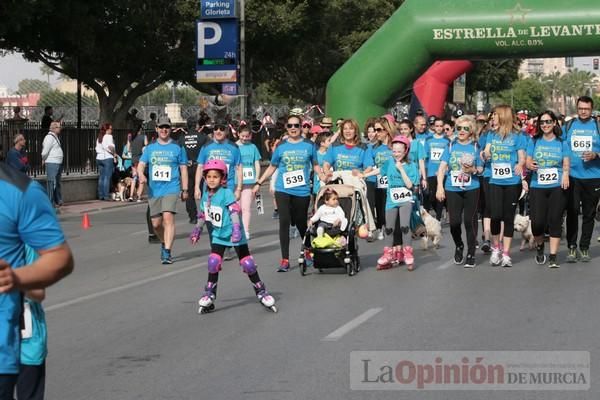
{"x": 78, "y": 147}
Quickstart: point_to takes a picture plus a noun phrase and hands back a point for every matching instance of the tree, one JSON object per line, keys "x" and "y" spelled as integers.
{"x": 123, "y": 48}
{"x": 525, "y": 94}
{"x": 46, "y": 70}
{"x": 492, "y": 76}
{"x": 27, "y": 86}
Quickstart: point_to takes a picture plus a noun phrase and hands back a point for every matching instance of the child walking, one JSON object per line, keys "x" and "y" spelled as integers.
{"x": 219, "y": 209}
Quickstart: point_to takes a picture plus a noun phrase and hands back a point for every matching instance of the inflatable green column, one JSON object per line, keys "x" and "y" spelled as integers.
{"x": 422, "y": 31}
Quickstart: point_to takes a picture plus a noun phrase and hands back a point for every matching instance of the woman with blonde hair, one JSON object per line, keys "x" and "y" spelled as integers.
{"x": 505, "y": 149}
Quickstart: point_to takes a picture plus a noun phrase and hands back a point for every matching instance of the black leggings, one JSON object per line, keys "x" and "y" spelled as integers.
{"x": 462, "y": 207}
{"x": 584, "y": 192}
{"x": 437, "y": 205}
{"x": 504, "y": 199}
{"x": 371, "y": 187}
{"x": 294, "y": 210}
{"x": 242, "y": 251}
{"x": 380, "y": 199}
{"x": 485, "y": 202}
{"x": 546, "y": 208}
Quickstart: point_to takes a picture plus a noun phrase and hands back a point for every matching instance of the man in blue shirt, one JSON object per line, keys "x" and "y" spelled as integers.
{"x": 17, "y": 156}
{"x": 167, "y": 164}
{"x": 583, "y": 138}
{"x": 26, "y": 218}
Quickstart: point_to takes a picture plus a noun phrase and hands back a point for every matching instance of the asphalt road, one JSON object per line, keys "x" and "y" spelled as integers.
{"x": 123, "y": 326}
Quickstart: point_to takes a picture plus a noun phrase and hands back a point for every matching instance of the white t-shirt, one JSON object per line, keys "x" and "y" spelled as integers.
{"x": 102, "y": 149}
{"x": 329, "y": 214}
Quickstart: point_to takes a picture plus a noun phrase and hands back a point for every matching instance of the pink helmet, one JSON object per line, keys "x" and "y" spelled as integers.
{"x": 218, "y": 165}
{"x": 402, "y": 139}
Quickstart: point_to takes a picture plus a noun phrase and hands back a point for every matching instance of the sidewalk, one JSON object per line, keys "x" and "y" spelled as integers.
{"x": 81, "y": 207}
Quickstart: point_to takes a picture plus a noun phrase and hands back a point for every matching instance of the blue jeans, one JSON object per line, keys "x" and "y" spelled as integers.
{"x": 105, "y": 171}
{"x": 53, "y": 174}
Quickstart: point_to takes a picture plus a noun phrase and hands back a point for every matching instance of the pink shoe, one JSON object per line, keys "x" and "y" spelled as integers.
{"x": 409, "y": 259}
{"x": 386, "y": 260}
{"x": 399, "y": 254}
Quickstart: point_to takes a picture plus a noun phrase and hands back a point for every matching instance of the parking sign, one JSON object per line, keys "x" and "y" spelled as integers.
{"x": 217, "y": 44}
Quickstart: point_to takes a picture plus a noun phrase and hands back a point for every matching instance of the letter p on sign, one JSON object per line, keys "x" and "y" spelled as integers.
{"x": 207, "y": 39}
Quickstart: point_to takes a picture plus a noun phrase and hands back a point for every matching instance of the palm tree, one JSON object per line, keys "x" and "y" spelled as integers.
{"x": 552, "y": 83}
{"x": 574, "y": 84}
{"x": 46, "y": 70}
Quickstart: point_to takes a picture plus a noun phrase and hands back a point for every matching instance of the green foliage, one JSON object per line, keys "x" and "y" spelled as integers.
{"x": 163, "y": 94}
{"x": 526, "y": 94}
{"x": 33, "y": 86}
{"x": 492, "y": 76}
{"x": 56, "y": 98}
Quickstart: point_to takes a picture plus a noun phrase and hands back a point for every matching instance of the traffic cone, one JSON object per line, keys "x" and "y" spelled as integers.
{"x": 85, "y": 222}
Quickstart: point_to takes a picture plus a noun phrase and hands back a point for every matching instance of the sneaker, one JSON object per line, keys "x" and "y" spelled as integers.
{"x": 552, "y": 263}
{"x": 380, "y": 235}
{"x": 387, "y": 259}
{"x": 409, "y": 258}
{"x": 486, "y": 247}
{"x": 470, "y": 262}
{"x": 572, "y": 255}
{"x": 506, "y": 261}
{"x": 293, "y": 232}
{"x": 229, "y": 254}
{"x": 308, "y": 259}
{"x": 459, "y": 257}
{"x": 496, "y": 257}
{"x": 284, "y": 265}
{"x": 584, "y": 255}
{"x": 540, "y": 257}
{"x": 275, "y": 215}
{"x": 165, "y": 255}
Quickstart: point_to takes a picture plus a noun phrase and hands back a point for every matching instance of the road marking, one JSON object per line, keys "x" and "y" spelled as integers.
{"x": 136, "y": 284}
{"x": 344, "y": 329}
{"x": 445, "y": 265}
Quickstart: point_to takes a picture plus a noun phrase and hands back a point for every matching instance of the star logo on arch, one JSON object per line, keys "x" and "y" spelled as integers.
{"x": 518, "y": 13}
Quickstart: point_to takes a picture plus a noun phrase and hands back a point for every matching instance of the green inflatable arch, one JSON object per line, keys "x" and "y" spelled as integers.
{"x": 423, "y": 31}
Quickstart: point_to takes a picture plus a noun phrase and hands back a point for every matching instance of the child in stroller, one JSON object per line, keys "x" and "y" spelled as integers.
{"x": 329, "y": 218}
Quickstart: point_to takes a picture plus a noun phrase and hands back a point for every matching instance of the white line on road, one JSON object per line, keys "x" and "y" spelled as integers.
{"x": 344, "y": 329}
{"x": 136, "y": 283}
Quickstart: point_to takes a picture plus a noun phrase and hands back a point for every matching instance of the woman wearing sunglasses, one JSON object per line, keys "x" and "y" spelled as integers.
{"x": 505, "y": 148}
{"x": 548, "y": 157}
{"x": 457, "y": 183}
{"x": 293, "y": 160}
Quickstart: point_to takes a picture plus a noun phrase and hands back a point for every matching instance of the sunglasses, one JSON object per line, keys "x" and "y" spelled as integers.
{"x": 306, "y": 126}
{"x": 463, "y": 128}
{"x": 378, "y": 130}
{"x": 219, "y": 128}
{"x": 293, "y": 126}
{"x": 447, "y": 129}
{"x": 164, "y": 127}
{"x": 546, "y": 122}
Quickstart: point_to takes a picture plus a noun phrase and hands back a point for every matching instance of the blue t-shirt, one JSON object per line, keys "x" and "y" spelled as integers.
{"x": 226, "y": 151}
{"x": 487, "y": 165}
{"x": 456, "y": 181}
{"x": 583, "y": 136}
{"x": 316, "y": 181}
{"x": 423, "y": 137}
{"x": 294, "y": 161}
{"x": 347, "y": 158}
{"x": 126, "y": 161}
{"x": 435, "y": 147}
{"x": 378, "y": 154}
{"x": 249, "y": 153}
{"x": 26, "y": 218}
{"x": 549, "y": 156}
{"x": 163, "y": 162}
{"x": 217, "y": 213}
{"x": 417, "y": 151}
{"x": 397, "y": 193}
{"x": 505, "y": 157}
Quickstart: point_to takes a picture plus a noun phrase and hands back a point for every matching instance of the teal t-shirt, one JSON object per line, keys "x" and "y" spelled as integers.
{"x": 505, "y": 157}
{"x": 583, "y": 136}
{"x": 378, "y": 155}
{"x": 163, "y": 161}
{"x": 456, "y": 180}
{"x": 216, "y": 211}
{"x": 250, "y": 155}
{"x": 435, "y": 147}
{"x": 549, "y": 156}
{"x": 397, "y": 192}
{"x": 294, "y": 162}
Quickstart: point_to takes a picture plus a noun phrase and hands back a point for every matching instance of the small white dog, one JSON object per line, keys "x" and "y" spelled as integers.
{"x": 523, "y": 225}
{"x": 434, "y": 230}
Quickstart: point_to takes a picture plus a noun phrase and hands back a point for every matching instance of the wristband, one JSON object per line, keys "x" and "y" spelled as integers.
{"x": 258, "y": 183}
{"x": 184, "y": 190}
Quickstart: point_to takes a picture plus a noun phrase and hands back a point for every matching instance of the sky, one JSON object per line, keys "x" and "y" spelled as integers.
{"x": 14, "y": 68}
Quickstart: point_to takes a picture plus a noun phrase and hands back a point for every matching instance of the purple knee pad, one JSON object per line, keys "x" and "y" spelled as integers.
{"x": 214, "y": 263}
{"x": 248, "y": 265}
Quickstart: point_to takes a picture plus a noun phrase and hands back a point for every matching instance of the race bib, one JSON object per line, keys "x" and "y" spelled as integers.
{"x": 501, "y": 171}
{"x": 161, "y": 173}
{"x": 293, "y": 179}
{"x": 581, "y": 143}
{"x": 547, "y": 176}
{"x": 382, "y": 181}
{"x": 460, "y": 179}
{"x": 400, "y": 195}
{"x": 248, "y": 173}
{"x": 436, "y": 154}
{"x": 214, "y": 215}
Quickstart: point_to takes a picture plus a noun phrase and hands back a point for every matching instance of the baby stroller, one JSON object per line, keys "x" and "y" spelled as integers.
{"x": 337, "y": 257}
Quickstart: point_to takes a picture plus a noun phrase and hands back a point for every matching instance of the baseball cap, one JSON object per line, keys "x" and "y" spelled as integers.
{"x": 164, "y": 121}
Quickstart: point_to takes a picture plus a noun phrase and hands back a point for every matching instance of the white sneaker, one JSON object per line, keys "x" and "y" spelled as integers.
{"x": 506, "y": 261}
{"x": 380, "y": 235}
{"x": 247, "y": 235}
{"x": 496, "y": 257}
